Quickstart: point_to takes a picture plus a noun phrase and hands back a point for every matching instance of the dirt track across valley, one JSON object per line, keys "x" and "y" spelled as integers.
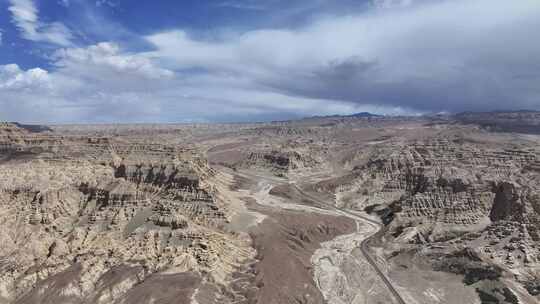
{"x": 265, "y": 192}
{"x": 364, "y": 247}
{"x": 285, "y": 241}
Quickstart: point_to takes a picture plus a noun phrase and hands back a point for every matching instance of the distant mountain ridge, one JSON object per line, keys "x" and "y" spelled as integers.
{"x": 364, "y": 115}
{"x": 519, "y": 121}
{"x": 522, "y": 121}
{"x": 355, "y": 115}
{"x": 33, "y": 128}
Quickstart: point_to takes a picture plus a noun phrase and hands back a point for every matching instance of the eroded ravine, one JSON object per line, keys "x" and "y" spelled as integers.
{"x": 342, "y": 268}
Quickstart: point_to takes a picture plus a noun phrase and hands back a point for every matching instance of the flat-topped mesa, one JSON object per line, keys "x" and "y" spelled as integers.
{"x": 166, "y": 218}
{"x": 280, "y": 162}
{"x": 183, "y": 181}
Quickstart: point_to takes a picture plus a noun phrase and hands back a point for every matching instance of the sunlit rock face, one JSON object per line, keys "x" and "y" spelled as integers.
{"x": 99, "y": 226}
{"x": 211, "y": 213}
{"x": 441, "y": 196}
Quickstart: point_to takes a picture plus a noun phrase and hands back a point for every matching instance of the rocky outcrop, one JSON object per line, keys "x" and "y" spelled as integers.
{"x": 112, "y": 225}
{"x": 280, "y": 162}
{"x": 506, "y": 204}
{"x": 134, "y": 213}
{"x": 450, "y": 195}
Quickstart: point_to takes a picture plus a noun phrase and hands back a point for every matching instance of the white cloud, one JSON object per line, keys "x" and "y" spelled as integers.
{"x": 385, "y": 4}
{"x": 415, "y": 58}
{"x": 109, "y": 3}
{"x": 97, "y": 83}
{"x": 439, "y": 55}
{"x": 13, "y": 78}
{"x": 64, "y": 3}
{"x": 24, "y": 14}
{"x": 243, "y": 5}
{"x": 100, "y": 83}
{"x": 107, "y": 56}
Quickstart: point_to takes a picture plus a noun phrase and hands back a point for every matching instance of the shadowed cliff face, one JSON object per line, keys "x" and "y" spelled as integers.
{"x": 507, "y": 204}
{"x": 160, "y": 175}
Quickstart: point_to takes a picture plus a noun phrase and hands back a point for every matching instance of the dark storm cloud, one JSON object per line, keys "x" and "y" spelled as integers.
{"x": 441, "y": 56}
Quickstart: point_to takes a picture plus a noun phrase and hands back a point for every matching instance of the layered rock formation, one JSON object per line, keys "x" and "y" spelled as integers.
{"x": 279, "y": 162}
{"x": 105, "y": 225}
{"x": 135, "y": 213}
{"x": 445, "y": 195}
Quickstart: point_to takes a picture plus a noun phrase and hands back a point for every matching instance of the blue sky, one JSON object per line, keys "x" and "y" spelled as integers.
{"x": 64, "y": 61}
